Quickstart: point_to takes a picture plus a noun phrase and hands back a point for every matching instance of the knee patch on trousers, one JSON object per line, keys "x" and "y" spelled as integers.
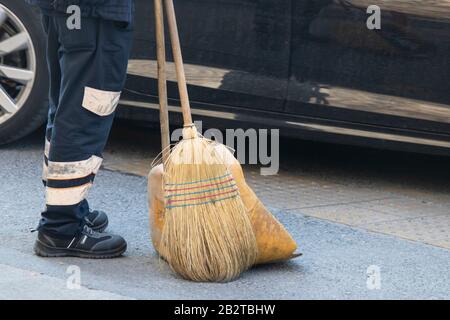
{"x": 100, "y": 102}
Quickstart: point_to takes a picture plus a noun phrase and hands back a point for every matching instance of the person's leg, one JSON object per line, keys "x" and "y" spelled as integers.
{"x": 93, "y": 64}
{"x": 54, "y": 72}
{"x": 98, "y": 219}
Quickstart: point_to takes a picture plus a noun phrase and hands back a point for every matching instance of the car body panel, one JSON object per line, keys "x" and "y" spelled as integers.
{"x": 396, "y": 76}
{"x": 236, "y": 51}
{"x": 311, "y": 68}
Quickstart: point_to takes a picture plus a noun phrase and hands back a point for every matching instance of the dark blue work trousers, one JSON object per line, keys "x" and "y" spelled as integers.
{"x": 87, "y": 70}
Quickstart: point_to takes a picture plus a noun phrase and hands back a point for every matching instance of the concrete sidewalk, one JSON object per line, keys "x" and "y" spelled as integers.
{"x": 335, "y": 264}
{"x": 395, "y": 197}
{"x": 25, "y": 284}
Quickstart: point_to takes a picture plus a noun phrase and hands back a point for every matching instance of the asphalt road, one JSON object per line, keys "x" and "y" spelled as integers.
{"x": 334, "y": 266}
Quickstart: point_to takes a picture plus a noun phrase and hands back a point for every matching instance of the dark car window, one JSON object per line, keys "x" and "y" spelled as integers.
{"x": 236, "y": 51}
{"x": 393, "y": 76}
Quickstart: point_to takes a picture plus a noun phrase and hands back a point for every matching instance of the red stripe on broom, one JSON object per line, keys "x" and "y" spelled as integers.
{"x": 204, "y": 197}
{"x": 206, "y": 185}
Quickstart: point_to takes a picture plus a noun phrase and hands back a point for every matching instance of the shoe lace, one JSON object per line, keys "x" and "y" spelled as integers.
{"x": 88, "y": 231}
{"x": 88, "y": 222}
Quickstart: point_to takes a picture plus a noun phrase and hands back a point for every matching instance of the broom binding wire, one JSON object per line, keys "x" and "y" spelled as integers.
{"x": 215, "y": 190}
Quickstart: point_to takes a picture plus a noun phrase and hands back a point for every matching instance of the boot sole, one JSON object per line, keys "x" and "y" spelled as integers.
{"x": 43, "y": 250}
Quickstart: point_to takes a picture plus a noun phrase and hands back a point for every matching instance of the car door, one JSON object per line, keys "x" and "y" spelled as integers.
{"x": 396, "y": 76}
{"x": 236, "y": 53}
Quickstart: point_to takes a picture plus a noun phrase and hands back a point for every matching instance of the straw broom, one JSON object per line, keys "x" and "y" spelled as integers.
{"x": 207, "y": 235}
{"x": 274, "y": 242}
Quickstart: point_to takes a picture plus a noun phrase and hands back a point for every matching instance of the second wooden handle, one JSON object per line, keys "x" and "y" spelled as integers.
{"x": 178, "y": 58}
{"x": 162, "y": 82}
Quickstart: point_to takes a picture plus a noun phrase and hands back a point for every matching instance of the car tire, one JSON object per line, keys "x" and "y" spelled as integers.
{"x": 32, "y": 101}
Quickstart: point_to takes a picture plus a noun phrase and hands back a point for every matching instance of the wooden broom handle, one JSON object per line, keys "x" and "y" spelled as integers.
{"x": 162, "y": 81}
{"x": 178, "y": 58}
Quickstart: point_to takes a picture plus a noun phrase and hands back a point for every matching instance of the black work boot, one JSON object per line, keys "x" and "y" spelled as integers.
{"x": 88, "y": 244}
{"x": 97, "y": 220}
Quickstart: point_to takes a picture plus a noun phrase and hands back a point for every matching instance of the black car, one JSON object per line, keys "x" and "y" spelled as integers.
{"x": 316, "y": 69}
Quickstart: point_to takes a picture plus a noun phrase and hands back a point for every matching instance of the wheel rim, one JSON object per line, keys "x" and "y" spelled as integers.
{"x": 17, "y": 64}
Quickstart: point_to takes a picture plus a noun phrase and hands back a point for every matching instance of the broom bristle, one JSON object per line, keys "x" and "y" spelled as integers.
{"x": 207, "y": 235}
